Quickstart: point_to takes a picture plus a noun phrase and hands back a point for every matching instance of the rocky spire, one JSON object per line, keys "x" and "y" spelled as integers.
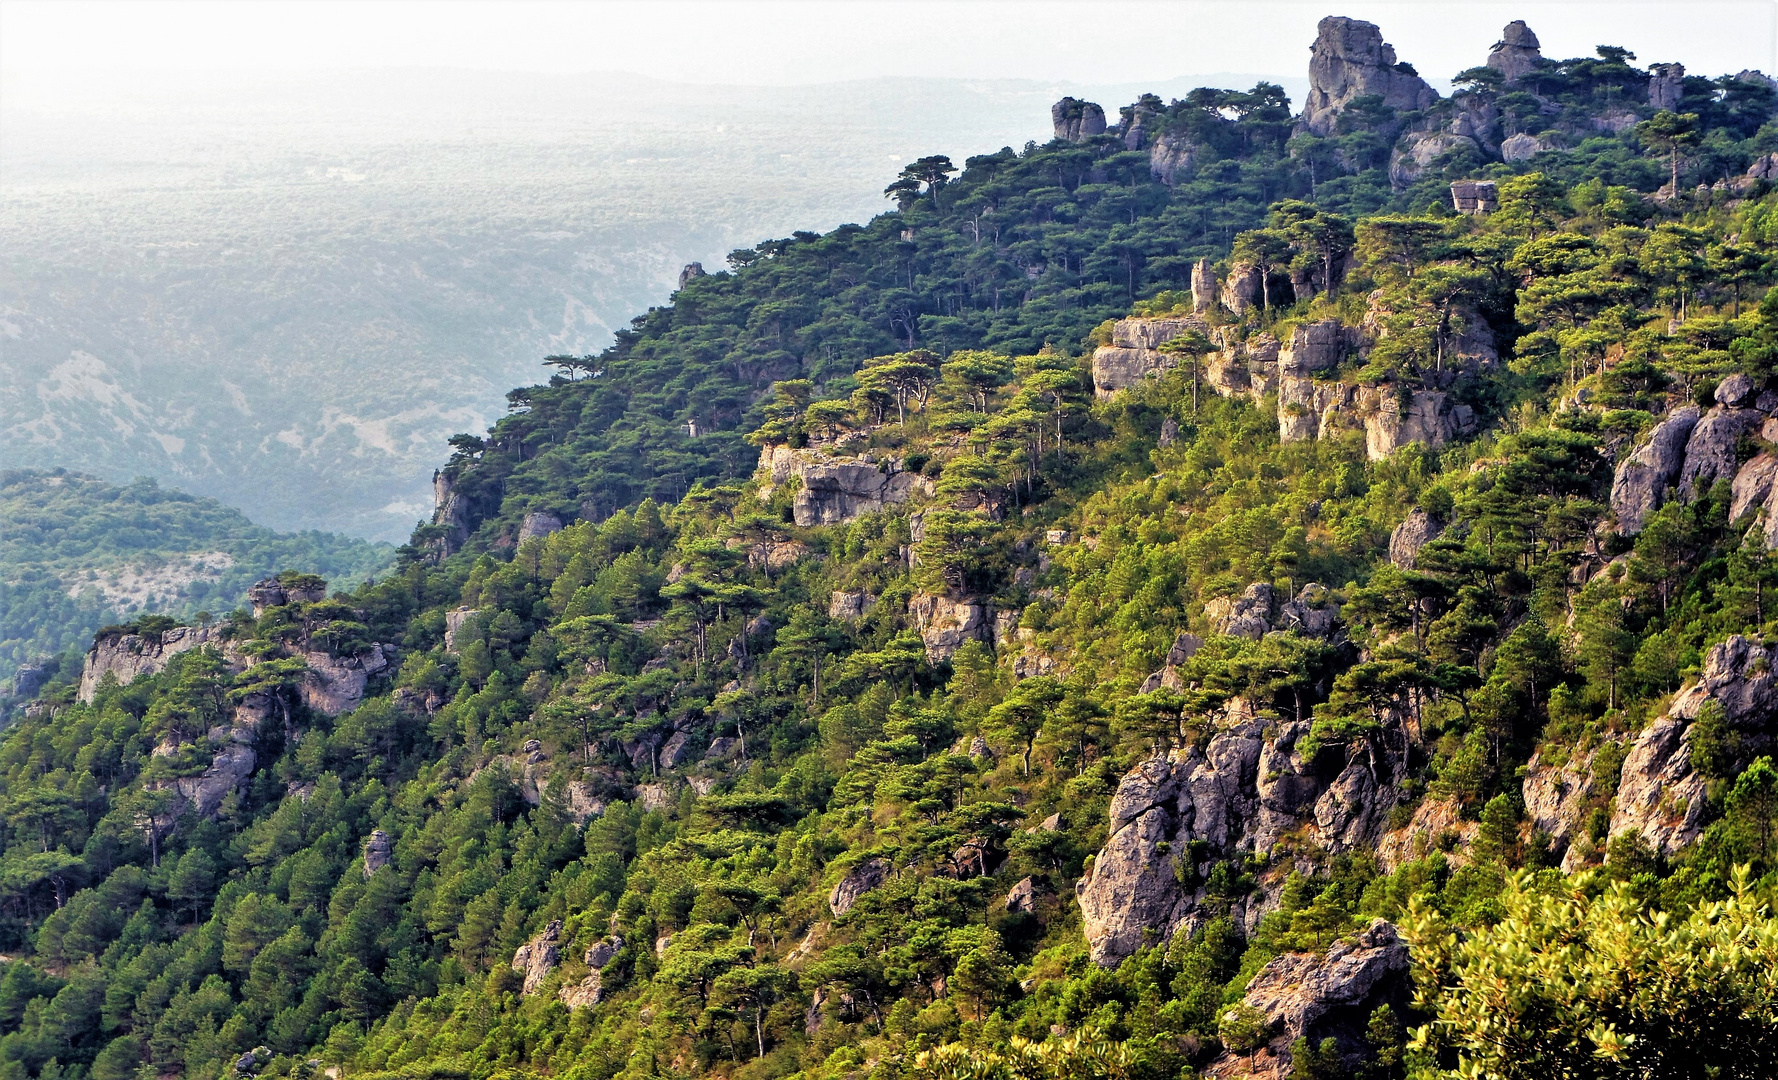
{"x": 1517, "y": 53}
{"x": 1666, "y": 82}
{"x": 1350, "y": 59}
{"x": 1076, "y": 120}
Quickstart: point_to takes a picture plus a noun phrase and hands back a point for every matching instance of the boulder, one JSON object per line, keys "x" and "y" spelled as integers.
{"x": 604, "y": 951}
{"x": 1076, "y": 121}
{"x": 378, "y": 852}
{"x": 1522, "y": 147}
{"x": 1321, "y": 996}
{"x": 1712, "y": 452}
{"x": 1414, "y": 533}
{"x": 583, "y": 994}
{"x": 1642, "y": 479}
{"x": 945, "y": 624}
{"x": 861, "y": 879}
{"x": 677, "y": 751}
{"x": 1350, "y": 59}
{"x": 1023, "y": 897}
{"x": 536, "y": 958}
{"x": 1736, "y": 390}
{"x": 538, "y": 524}
{"x": 1312, "y": 614}
{"x": 1517, "y": 53}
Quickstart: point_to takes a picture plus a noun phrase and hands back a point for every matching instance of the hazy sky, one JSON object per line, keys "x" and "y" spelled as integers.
{"x": 45, "y": 45}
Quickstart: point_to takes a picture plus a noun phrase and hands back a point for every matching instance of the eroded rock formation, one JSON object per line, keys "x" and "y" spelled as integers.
{"x": 834, "y": 490}
{"x": 1414, "y": 533}
{"x": 1350, "y": 59}
{"x": 1134, "y": 353}
{"x": 1517, "y": 53}
{"x": 536, "y": 958}
{"x": 1075, "y": 120}
{"x": 946, "y": 623}
{"x": 861, "y": 879}
{"x": 1642, "y": 479}
{"x": 129, "y": 656}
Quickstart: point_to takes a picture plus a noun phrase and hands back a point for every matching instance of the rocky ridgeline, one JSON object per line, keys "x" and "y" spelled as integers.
{"x": 1350, "y": 63}
{"x": 1302, "y": 377}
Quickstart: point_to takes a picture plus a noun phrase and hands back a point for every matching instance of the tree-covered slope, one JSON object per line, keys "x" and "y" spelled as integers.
{"x": 1365, "y": 669}
{"x": 77, "y": 553}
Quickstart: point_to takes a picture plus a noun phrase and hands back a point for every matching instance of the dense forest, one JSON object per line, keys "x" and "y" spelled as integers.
{"x": 77, "y": 553}
{"x": 1178, "y": 600}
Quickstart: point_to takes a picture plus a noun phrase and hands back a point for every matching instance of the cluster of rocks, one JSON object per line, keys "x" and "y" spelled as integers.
{"x": 1690, "y": 449}
{"x": 1262, "y": 609}
{"x": 537, "y": 958}
{"x": 1249, "y": 787}
{"x": 1310, "y": 405}
{"x": 833, "y": 489}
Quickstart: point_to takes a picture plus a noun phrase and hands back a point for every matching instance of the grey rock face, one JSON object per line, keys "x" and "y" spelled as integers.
{"x": 1711, "y": 452}
{"x": 1248, "y": 615}
{"x": 604, "y": 951}
{"x": 1171, "y": 157}
{"x": 335, "y": 684}
{"x": 849, "y": 605}
{"x": 859, "y": 880}
{"x": 584, "y": 994}
{"x": 1075, "y": 120}
{"x": 454, "y": 622}
{"x": 1240, "y": 794}
{"x": 538, "y": 523}
{"x": 1642, "y": 479}
{"x": 1242, "y": 289}
{"x": 271, "y": 593}
{"x": 1736, "y": 390}
{"x": 691, "y": 273}
{"x": 1428, "y": 417}
{"x": 1313, "y": 347}
{"x": 1517, "y": 52}
{"x": 1331, "y": 995}
{"x": 536, "y": 958}
{"x": 378, "y": 852}
{"x": 128, "y": 656}
{"x": 30, "y": 677}
{"x": 1659, "y": 796}
{"x": 1023, "y": 896}
{"x": 451, "y": 509}
{"x": 1666, "y": 83}
{"x": 677, "y": 751}
{"x": 1418, "y": 151}
{"x": 1753, "y": 485}
{"x": 1414, "y": 533}
{"x": 1555, "y": 795}
{"x": 945, "y": 624}
{"x": 1349, "y": 60}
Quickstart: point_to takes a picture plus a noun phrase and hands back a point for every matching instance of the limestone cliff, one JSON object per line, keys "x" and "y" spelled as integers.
{"x": 835, "y": 489}
{"x": 1350, "y": 59}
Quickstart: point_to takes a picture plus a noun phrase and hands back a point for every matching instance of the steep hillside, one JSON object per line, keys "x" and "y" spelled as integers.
{"x": 77, "y": 553}
{"x": 1336, "y": 648}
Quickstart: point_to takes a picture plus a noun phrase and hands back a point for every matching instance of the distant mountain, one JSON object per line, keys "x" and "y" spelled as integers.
{"x": 286, "y": 295}
{"x": 77, "y": 553}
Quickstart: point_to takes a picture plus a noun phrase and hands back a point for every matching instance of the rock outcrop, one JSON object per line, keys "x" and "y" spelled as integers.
{"x": 452, "y": 513}
{"x": 1350, "y": 59}
{"x": 1523, "y": 147}
{"x": 1243, "y": 792}
{"x": 1517, "y": 53}
{"x": 588, "y": 991}
{"x": 1261, "y": 609}
{"x": 1666, "y": 85}
{"x": 271, "y": 592}
{"x": 1324, "y": 996}
{"x": 1075, "y": 120}
{"x": 1642, "y": 479}
{"x": 129, "y": 656}
{"x": 1414, "y": 533}
{"x": 690, "y": 273}
{"x": 849, "y": 604}
{"x": 1134, "y": 353}
{"x": 1474, "y": 197}
{"x": 1660, "y": 796}
{"x": 1558, "y": 795}
{"x": 30, "y": 678}
{"x": 378, "y": 852}
{"x": 455, "y": 620}
{"x": 1022, "y": 897}
{"x": 945, "y": 623}
{"x": 536, "y": 958}
{"x": 333, "y": 685}
{"x": 1204, "y": 286}
{"x": 861, "y": 879}
{"x": 1436, "y": 824}
{"x": 834, "y": 490}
